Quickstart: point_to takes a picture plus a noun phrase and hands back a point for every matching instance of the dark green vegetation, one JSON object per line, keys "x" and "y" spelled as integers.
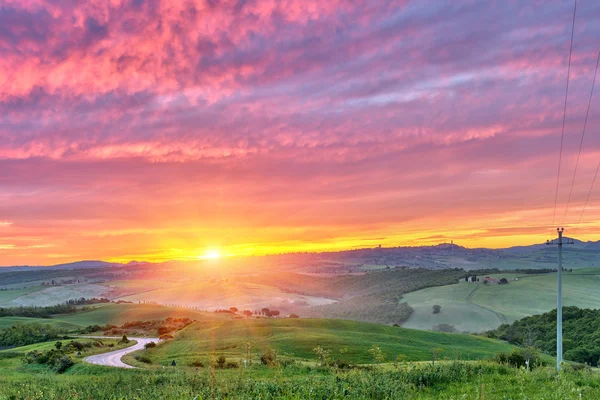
{"x": 580, "y": 332}
{"x": 24, "y": 334}
{"x": 38, "y": 312}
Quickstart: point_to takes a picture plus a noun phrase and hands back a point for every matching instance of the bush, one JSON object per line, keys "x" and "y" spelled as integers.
{"x": 269, "y": 357}
{"x": 220, "y": 361}
{"x": 124, "y": 340}
{"x": 144, "y": 359}
{"x": 54, "y": 358}
{"x": 150, "y": 345}
{"x": 197, "y": 364}
{"x": 62, "y": 364}
{"x": 518, "y": 357}
{"x": 165, "y": 337}
{"x": 437, "y": 309}
{"x": 22, "y": 335}
{"x": 76, "y": 345}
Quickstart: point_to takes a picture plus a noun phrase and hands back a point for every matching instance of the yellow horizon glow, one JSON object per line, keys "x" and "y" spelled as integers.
{"x": 211, "y": 254}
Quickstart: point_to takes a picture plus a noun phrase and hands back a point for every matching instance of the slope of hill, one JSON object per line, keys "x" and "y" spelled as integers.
{"x": 477, "y": 307}
{"x": 348, "y": 340}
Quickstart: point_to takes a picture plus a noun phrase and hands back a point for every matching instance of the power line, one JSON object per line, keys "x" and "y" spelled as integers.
{"x": 562, "y": 135}
{"x": 582, "y": 136}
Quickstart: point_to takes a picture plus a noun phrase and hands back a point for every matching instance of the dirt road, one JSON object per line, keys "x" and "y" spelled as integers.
{"x": 113, "y": 358}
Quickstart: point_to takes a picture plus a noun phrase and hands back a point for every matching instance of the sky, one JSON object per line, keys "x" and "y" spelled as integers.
{"x": 154, "y": 130}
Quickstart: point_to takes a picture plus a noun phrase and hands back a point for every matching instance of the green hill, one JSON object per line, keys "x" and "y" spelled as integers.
{"x": 299, "y": 337}
{"x": 115, "y": 314}
{"x": 477, "y": 307}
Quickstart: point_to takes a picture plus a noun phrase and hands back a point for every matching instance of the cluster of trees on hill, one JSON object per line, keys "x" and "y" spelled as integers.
{"x": 22, "y": 335}
{"x": 37, "y": 312}
{"x": 83, "y": 301}
{"x": 68, "y": 307}
{"x": 581, "y": 336}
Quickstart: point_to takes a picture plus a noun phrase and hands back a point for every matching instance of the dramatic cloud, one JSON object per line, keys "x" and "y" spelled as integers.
{"x": 156, "y": 129}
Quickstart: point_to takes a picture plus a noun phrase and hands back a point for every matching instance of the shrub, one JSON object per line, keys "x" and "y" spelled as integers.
{"x": 377, "y": 354}
{"x": 62, "y": 364}
{"x": 437, "y": 309}
{"x": 76, "y": 345}
{"x": 165, "y": 337}
{"x": 518, "y": 357}
{"x": 323, "y": 355}
{"x": 197, "y": 364}
{"x": 269, "y": 357}
{"x": 144, "y": 359}
{"x": 150, "y": 345}
{"x": 124, "y": 339}
{"x": 220, "y": 361}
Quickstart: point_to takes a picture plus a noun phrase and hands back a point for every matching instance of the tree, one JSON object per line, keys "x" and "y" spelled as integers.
{"x": 248, "y": 344}
{"x": 400, "y": 359}
{"x": 323, "y": 355}
{"x": 437, "y": 309}
{"x": 377, "y": 354}
{"x": 435, "y": 352}
{"x": 233, "y": 309}
{"x": 58, "y": 345}
{"x": 247, "y": 313}
{"x": 293, "y": 316}
{"x": 275, "y": 313}
{"x": 503, "y": 281}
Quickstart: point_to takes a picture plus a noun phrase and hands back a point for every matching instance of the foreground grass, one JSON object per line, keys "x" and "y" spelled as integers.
{"x": 459, "y": 380}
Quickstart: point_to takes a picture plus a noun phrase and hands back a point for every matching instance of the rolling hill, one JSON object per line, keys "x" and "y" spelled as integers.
{"x": 477, "y": 307}
{"x": 349, "y": 340}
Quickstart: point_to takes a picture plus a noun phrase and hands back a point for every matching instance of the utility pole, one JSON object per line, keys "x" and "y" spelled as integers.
{"x": 559, "y": 347}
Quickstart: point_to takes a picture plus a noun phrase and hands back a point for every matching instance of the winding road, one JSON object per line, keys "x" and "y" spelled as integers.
{"x": 113, "y": 358}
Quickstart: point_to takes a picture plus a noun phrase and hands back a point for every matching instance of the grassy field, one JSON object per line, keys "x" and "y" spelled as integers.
{"x": 6, "y": 322}
{"x": 6, "y": 296}
{"x": 477, "y": 307}
{"x": 114, "y": 314}
{"x": 118, "y": 314}
{"x": 349, "y": 340}
{"x": 299, "y": 378}
{"x": 455, "y": 380}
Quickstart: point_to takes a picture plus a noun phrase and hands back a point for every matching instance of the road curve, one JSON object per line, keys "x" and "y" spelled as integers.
{"x": 113, "y": 358}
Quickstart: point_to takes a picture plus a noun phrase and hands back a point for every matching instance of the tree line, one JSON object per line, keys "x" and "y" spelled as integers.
{"x": 581, "y": 337}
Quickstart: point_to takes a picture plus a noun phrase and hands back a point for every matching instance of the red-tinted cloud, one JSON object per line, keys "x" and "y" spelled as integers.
{"x": 153, "y": 129}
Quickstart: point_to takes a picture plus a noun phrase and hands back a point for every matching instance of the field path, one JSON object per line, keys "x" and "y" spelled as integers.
{"x": 500, "y": 316}
{"x": 113, "y": 358}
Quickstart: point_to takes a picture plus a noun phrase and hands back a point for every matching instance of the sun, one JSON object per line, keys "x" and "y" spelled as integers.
{"x": 211, "y": 254}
